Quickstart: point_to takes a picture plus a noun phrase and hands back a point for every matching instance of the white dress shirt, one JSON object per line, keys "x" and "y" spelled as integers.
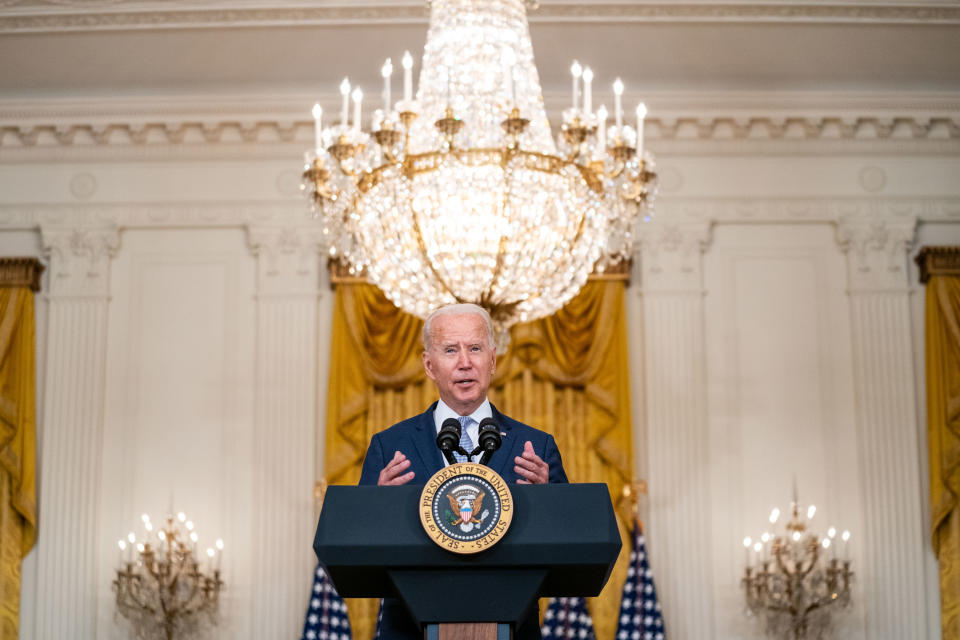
{"x": 442, "y": 412}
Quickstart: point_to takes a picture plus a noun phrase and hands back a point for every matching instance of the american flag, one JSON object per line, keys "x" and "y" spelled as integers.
{"x": 379, "y": 630}
{"x": 568, "y": 618}
{"x": 327, "y": 614}
{"x": 640, "y": 617}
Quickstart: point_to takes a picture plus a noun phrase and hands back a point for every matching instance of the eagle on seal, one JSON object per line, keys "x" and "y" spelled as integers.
{"x": 466, "y": 508}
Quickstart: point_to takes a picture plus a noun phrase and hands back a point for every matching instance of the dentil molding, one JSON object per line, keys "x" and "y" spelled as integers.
{"x": 121, "y": 132}
{"x": 37, "y": 16}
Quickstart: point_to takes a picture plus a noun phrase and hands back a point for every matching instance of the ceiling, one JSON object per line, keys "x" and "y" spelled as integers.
{"x": 120, "y": 48}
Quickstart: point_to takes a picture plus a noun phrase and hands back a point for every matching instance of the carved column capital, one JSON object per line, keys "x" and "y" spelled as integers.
{"x": 80, "y": 259}
{"x": 671, "y": 255}
{"x": 288, "y": 259}
{"x": 876, "y": 248}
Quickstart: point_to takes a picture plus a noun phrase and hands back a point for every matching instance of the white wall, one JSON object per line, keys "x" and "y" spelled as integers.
{"x": 178, "y": 423}
{"x": 780, "y": 389}
{"x": 181, "y": 332}
{"x": 775, "y": 333}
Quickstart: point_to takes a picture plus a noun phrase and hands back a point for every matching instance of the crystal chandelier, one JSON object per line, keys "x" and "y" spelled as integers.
{"x": 163, "y": 589}
{"x": 463, "y": 194}
{"x": 795, "y": 581}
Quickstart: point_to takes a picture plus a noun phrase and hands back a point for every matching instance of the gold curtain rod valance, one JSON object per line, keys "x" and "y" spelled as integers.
{"x": 20, "y": 272}
{"x": 340, "y": 273}
{"x": 938, "y": 261}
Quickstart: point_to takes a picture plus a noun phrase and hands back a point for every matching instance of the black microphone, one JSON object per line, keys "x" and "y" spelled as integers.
{"x": 448, "y": 440}
{"x": 489, "y": 439}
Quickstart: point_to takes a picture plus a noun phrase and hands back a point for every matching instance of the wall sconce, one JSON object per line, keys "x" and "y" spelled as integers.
{"x": 165, "y": 588}
{"x": 794, "y": 581}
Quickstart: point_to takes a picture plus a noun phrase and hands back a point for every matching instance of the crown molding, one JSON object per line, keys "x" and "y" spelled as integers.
{"x": 40, "y": 16}
{"x": 133, "y": 215}
{"x": 807, "y": 210}
{"x": 744, "y": 12}
{"x": 295, "y": 104}
{"x": 291, "y": 212}
{"x": 89, "y": 124}
{"x": 753, "y": 130}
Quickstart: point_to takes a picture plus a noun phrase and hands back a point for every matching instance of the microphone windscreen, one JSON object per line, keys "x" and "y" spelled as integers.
{"x": 451, "y": 423}
{"x": 489, "y": 435}
{"x": 449, "y": 437}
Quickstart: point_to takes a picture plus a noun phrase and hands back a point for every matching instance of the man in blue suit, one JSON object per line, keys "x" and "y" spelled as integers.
{"x": 460, "y": 357}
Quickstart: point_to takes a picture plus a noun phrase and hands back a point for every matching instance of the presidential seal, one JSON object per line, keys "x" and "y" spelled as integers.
{"x": 466, "y": 507}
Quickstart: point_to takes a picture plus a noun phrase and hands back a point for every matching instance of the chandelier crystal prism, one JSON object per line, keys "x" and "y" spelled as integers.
{"x": 463, "y": 194}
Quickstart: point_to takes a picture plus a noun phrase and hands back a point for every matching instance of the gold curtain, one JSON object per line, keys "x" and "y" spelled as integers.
{"x": 18, "y": 508}
{"x": 566, "y": 374}
{"x": 940, "y": 269}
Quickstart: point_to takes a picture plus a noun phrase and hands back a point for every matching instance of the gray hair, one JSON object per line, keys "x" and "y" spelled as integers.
{"x": 465, "y": 308}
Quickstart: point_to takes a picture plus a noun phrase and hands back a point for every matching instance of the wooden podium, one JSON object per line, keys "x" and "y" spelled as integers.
{"x": 563, "y": 541}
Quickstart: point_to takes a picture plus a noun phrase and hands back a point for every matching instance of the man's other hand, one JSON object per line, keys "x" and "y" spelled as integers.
{"x": 530, "y": 468}
{"x": 393, "y": 474}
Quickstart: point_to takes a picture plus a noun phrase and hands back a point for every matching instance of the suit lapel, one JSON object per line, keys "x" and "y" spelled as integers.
{"x": 425, "y": 442}
{"x": 503, "y": 455}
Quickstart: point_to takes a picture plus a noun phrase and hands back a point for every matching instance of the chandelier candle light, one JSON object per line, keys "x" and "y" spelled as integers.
{"x": 463, "y": 194}
{"x": 163, "y": 588}
{"x": 794, "y": 581}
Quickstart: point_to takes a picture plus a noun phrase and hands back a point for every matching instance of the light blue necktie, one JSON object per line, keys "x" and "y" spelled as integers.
{"x": 465, "y": 442}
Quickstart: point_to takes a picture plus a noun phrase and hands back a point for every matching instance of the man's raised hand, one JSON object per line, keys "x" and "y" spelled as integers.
{"x": 393, "y": 474}
{"x": 530, "y": 468}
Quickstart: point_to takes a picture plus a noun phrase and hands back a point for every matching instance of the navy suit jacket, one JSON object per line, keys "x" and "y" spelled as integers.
{"x": 416, "y": 438}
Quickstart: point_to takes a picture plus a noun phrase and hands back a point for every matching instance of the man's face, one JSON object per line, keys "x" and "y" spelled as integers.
{"x": 460, "y": 360}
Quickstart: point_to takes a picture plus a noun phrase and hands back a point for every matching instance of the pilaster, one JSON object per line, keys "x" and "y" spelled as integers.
{"x": 72, "y": 430}
{"x": 891, "y": 573}
{"x": 676, "y": 421}
{"x": 285, "y": 425}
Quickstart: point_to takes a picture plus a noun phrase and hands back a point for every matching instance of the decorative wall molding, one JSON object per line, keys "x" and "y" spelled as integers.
{"x": 876, "y": 248}
{"x": 80, "y": 259}
{"x": 38, "y": 16}
{"x": 672, "y": 211}
{"x": 211, "y": 131}
{"x": 887, "y": 431}
{"x": 73, "y": 415}
{"x": 820, "y": 12}
{"x": 288, "y": 259}
{"x": 140, "y": 215}
{"x": 285, "y": 422}
{"x": 671, "y": 256}
{"x": 293, "y": 105}
{"x": 802, "y": 127}
{"x": 788, "y": 210}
